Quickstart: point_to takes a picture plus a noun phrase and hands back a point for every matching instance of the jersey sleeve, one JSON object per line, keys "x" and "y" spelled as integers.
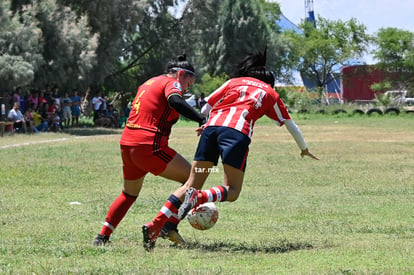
{"x": 173, "y": 87}
{"x": 277, "y": 111}
{"x": 217, "y": 94}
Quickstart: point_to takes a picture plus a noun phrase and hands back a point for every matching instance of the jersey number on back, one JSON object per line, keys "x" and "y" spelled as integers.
{"x": 138, "y": 102}
{"x": 257, "y": 96}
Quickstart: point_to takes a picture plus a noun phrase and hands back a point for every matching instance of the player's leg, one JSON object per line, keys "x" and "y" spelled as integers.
{"x": 166, "y": 221}
{"x": 200, "y": 170}
{"x": 133, "y": 180}
{"x": 119, "y": 208}
{"x": 233, "y": 181}
{"x": 179, "y": 169}
{"x": 229, "y": 191}
{"x": 234, "y": 148}
{"x": 170, "y": 208}
{"x": 64, "y": 120}
{"x": 69, "y": 116}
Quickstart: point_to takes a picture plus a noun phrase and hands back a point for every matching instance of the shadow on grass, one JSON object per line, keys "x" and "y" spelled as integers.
{"x": 282, "y": 246}
{"x": 93, "y": 131}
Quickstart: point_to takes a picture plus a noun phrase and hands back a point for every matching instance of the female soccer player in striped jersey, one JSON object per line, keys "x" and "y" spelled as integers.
{"x": 144, "y": 143}
{"x": 233, "y": 109}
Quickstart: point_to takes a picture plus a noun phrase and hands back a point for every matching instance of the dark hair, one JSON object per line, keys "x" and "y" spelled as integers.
{"x": 180, "y": 63}
{"x": 254, "y": 65}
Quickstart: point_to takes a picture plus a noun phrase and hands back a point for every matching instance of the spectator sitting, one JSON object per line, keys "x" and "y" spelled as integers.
{"x": 28, "y": 116}
{"x": 100, "y": 118}
{"x": 113, "y": 115}
{"x": 55, "y": 124}
{"x": 122, "y": 120}
{"x": 46, "y": 117}
{"x": 17, "y": 117}
{"x": 54, "y": 108}
{"x": 41, "y": 124}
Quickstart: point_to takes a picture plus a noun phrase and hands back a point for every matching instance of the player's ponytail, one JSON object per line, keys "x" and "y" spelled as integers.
{"x": 254, "y": 65}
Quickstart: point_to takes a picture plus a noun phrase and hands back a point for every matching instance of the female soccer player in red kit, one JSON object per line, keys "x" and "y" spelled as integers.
{"x": 233, "y": 110}
{"x": 144, "y": 143}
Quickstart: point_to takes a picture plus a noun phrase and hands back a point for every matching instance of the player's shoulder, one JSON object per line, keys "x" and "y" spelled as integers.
{"x": 173, "y": 85}
{"x": 155, "y": 80}
{"x": 251, "y": 81}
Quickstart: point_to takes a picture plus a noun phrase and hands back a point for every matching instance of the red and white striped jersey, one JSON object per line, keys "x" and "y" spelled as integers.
{"x": 239, "y": 102}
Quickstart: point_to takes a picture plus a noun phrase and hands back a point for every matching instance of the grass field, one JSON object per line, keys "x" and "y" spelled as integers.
{"x": 352, "y": 212}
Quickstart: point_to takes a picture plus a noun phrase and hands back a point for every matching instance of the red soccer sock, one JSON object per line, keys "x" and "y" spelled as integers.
{"x": 116, "y": 212}
{"x": 218, "y": 193}
{"x": 168, "y": 213}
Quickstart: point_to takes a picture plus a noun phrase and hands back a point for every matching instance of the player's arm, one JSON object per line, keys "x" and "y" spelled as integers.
{"x": 177, "y": 102}
{"x": 298, "y": 137}
{"x": 205, "y": 110}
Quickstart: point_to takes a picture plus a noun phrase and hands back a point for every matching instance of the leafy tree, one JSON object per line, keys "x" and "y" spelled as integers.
{"x": 278, "y": 46}
{"x": 157, "y": 38}
{"x": 395, "y": 52}
{"x": 69, "y": 46}
{"x": 135, "y": 39}
{"x": 200, "y": 24}
{"x": 20, "y": 47}
{"x": 44, "y": 43}
{"x": 208, "y": 84}
{"x": 222, "y": 32}
{"x": 321, "y": 50}
{"x": 243, "y": 29}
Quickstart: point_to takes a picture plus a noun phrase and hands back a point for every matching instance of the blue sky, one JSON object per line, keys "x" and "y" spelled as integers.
{"x": 374, "y": 14}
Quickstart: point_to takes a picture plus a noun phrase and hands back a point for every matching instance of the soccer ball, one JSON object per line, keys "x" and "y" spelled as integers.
{"x": 204, "y": 216}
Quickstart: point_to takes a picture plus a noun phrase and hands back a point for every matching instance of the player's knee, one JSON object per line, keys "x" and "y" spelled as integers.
{"x": 232, "y": 199}
{"x": 232, "y": 195}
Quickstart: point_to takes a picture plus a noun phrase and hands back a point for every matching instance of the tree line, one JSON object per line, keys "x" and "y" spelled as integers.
{"x": 117, "y": 44}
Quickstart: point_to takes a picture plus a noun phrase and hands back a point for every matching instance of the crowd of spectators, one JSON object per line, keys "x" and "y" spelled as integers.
{"x": 51, "y": 110}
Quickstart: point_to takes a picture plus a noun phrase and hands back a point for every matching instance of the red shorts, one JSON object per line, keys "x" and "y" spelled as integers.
{"x": 138, "y": 160}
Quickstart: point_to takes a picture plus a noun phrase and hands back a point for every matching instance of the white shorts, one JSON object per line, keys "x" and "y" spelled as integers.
{"x": 66, "y": 113}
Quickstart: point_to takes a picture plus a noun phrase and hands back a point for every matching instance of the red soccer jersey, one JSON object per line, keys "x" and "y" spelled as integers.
{"x": 239, "y": 102}
{"x": 151, "y": 118}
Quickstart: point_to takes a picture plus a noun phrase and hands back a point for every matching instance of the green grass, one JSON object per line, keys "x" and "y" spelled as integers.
{"x": 349, "y": 213}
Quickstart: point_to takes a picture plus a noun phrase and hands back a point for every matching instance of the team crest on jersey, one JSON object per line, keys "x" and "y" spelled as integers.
{"x": 178, "y": 86}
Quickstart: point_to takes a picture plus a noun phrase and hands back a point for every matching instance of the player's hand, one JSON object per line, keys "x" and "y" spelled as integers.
{"x": 307, "y": 153}
{"x": 200, "y": 129}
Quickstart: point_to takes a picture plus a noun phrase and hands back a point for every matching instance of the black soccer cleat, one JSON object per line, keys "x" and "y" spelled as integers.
{"x": 101, "y": 240}
{"x": 149, "y": 238}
